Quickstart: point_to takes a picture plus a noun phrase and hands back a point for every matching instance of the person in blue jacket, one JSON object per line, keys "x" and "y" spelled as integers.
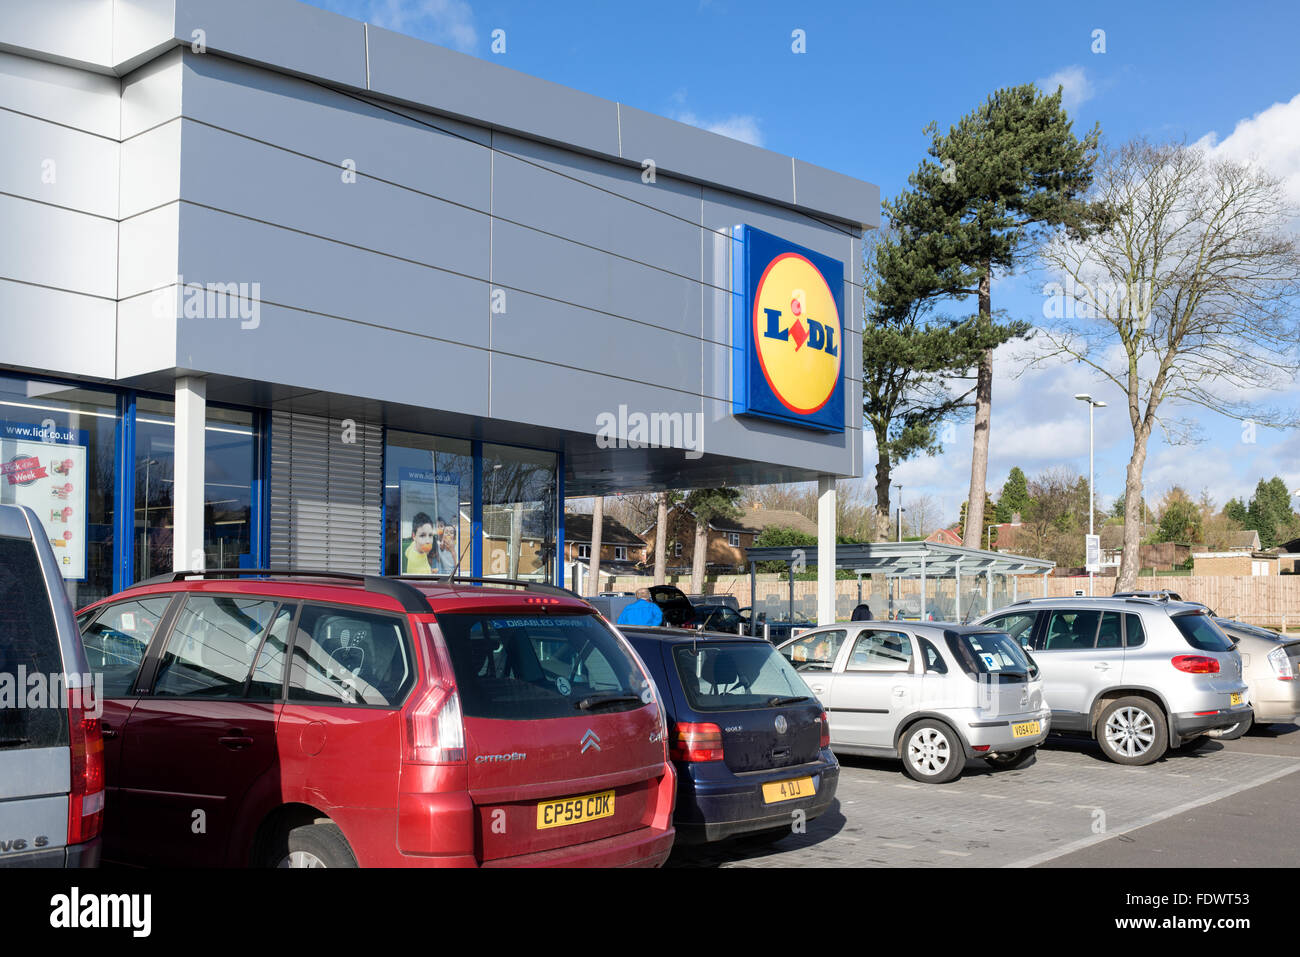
{"x": 642, "y": 611}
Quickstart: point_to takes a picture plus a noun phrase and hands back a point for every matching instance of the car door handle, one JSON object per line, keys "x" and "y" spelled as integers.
{"x": 817, "y": 689}
{"x": 236, "y": 740}
{"x": 899, "y": 692}
{"x": 1102, "y": 666}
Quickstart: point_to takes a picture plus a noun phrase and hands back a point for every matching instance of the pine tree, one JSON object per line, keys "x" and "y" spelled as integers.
{"x": 996, "y": 183}
{"x": 1015, "y": 496}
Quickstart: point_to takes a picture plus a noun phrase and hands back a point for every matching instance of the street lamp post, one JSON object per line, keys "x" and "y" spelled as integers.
{"x": 1092, "y": 404}
{"x": 900, "y": 511}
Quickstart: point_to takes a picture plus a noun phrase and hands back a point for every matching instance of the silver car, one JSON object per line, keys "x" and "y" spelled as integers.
{"x": 51, "y": 751}
{"x": 1272, "y": 667}
{"x": 1140, "y": 675}
{"x": 931, "y": 694}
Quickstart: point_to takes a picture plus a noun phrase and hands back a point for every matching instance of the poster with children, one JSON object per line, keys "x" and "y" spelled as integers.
{"x": 429, "y": 521}
{"x": 44, "y": 468}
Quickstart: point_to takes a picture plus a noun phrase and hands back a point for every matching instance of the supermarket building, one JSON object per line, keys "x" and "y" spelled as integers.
{"x": 282, "y": 289}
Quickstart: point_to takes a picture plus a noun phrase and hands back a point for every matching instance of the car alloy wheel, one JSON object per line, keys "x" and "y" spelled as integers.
{"x": 929, "y": 751}
{"x": 300, "y": 859}
{"x": 1130, "y": 732}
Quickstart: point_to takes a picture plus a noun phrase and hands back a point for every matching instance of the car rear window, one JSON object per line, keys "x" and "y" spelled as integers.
{"x": 991, "y": 653}
{"x": 1202, "y": 633}
{"x": 32, "y": 700}
{"x": 736, "y": 676}
{"x": 520, "y": 667}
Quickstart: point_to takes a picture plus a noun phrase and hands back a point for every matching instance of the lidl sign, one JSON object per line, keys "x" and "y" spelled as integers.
{"x": 787, "y": 332}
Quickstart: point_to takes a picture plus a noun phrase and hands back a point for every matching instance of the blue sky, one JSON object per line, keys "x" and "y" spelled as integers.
{"x": 856, "y": 101}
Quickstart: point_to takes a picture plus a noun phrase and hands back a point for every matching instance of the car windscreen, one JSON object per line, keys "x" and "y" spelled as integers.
{"x": 32, "y": 696}
{"x": 991, "y": 653}
{"x": 736, "y": 676}
{"x": 520, "y": 667}
{"x": 1201, "y": 632}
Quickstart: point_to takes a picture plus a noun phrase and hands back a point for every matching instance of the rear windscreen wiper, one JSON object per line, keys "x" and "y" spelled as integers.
{"x": 598, "y": 700}
{"x": 789, "y": 699}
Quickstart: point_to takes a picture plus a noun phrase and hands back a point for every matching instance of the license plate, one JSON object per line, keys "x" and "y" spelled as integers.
{"x": 1025, "y": 729}
{"x": 1236, "y": 697}
{"x": 788, "y": 790}
{"x": 576, "y": 810}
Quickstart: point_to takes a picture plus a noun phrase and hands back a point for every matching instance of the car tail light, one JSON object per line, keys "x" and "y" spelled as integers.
{"x": 825, "y": 741}
{"x": 435, "y": 729}
{"x": 697, "y": 742}
{"x": 1281, "y": 664}
{"x": 1196, "y": 664}
{"x": 86, "y": 799}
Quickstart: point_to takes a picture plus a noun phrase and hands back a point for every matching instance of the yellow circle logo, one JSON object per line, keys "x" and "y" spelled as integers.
{"x": 797, "y": 333}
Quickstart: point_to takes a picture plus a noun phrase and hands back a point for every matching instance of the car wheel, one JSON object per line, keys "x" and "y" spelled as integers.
{"x": 932, "y": 752}
{"x": 1133, "y": 731}
{"x": 314, "y": 845}
{"x": 1236, "y": 731}
{"x": 1010, "y": 760}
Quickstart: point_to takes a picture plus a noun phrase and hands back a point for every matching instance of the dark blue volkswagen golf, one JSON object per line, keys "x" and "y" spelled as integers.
{"x": 749, "y": 740}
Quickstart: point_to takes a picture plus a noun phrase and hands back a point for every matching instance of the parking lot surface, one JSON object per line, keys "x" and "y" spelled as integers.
{"x": 1070, "y": 802}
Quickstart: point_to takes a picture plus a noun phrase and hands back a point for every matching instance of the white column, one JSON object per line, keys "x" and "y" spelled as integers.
{"x": 825, "y": 549}
{"x": 188, "y": 469}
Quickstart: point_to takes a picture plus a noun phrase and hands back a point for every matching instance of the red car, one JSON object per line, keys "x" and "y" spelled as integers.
{"x": 255, "y": 718}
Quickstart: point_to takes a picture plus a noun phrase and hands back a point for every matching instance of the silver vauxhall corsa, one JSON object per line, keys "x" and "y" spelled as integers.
{"x": 1140, "y": 675}
{"x": 931, "y": 694}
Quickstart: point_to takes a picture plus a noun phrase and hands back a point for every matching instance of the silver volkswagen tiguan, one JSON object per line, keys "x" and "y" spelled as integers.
{"x": 1140, "y": 675}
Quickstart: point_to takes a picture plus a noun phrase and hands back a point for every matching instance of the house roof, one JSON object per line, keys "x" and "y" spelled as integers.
{"x": 577, "y": 528}
{"x": 944, "y": 536}
{"x": 1247, "y": 538}
{"x": 757, "y": 520}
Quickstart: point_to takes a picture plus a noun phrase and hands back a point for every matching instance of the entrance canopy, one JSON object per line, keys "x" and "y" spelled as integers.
{"x": 928, "y": 563}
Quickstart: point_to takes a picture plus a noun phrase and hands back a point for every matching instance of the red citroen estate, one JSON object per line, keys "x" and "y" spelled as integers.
{"x": 257, "y": 718}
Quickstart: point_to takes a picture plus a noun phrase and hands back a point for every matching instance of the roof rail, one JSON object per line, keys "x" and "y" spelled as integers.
{"x": 408, "y": 596}
{"x": 545, "y": 587}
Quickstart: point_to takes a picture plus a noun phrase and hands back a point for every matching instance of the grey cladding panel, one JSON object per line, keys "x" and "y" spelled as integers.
{"x": 462, "y": 85}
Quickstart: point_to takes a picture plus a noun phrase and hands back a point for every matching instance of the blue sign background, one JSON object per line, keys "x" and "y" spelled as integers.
{"x": 752, "y": 251}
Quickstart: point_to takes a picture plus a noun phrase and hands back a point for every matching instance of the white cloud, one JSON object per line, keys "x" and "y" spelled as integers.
{"x": 1076, "y": 88}
{"x": 448, "y": 22}
{"x": 743, "y": 127}
{"x": 1270, "y": 138}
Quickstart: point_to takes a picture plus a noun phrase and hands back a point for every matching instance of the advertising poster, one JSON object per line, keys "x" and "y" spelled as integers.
{"x": 429, "y": 521}
{"x": 45, "y": 469}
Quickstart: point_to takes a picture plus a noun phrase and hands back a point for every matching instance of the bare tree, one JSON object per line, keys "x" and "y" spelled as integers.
{"x": 1183, "y": 300}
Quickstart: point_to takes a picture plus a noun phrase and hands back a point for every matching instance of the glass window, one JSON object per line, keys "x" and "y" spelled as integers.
{"x": 1202, "y": 633}
{"x": 934, "y": 661}
{"x": 58, "y": 446}
{"x": 429, "y": 504}
{"x": 1019, "y": 626}
{"x": 584, "y": 551}
{"x": 1134, "y": 636}
{"x": 1072, "y": 630}
{"x": 519, "y": 513}
{"x": 117, "y": 639}
{"x": 881, "y": 651}
{"x": 29, "y": 646}
{"x": 816, "y": 651}
{"x": 620, "y": 553}
{"x": 731, "y": 676}
{"x": 267, "y": 679}
{"x": 350, "y": 656}
{"x": 523, "y": 667}
{"x": 1110, "y": 634}
{"x": 991, "y": 653}
{"x": 230, "y": 465}
{"x": 211, "y": 649}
